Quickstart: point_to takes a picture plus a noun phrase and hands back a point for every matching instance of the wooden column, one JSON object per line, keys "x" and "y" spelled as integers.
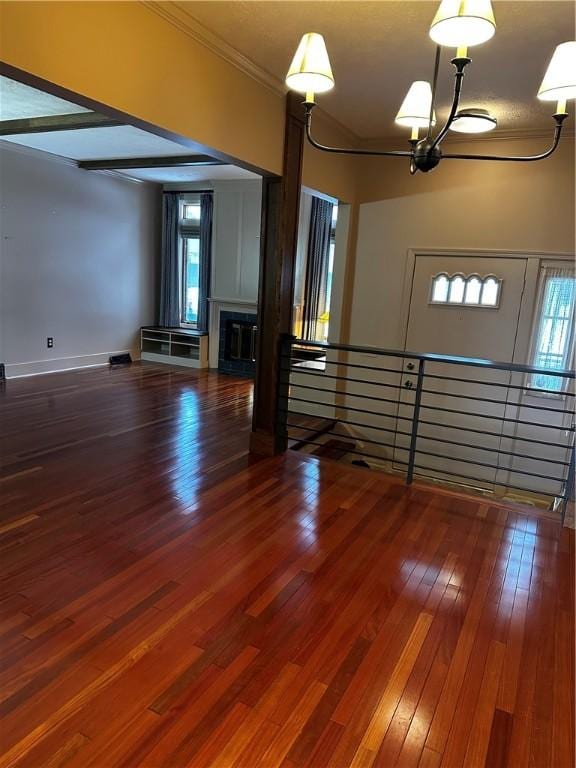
{"x": 279, "y": 235}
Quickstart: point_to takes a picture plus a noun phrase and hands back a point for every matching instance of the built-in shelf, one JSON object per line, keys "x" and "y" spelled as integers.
{"x": 175, "y": 346}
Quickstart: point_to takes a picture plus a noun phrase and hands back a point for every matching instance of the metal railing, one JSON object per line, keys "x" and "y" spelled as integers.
{"x": 473, "y": 422}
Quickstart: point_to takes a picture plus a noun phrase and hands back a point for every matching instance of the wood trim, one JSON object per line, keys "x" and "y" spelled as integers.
{"x": 124, "y": 163}
{"x": 51, "y": 123}
{"x": 279, "y": 236}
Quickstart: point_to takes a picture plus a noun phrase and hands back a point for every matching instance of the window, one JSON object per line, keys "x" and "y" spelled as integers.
{"x": 189, "y": 231}
{"x": 314, "y": 267}
{"x": 191, "y": 211}
{"x": 553, "y": 328}
{"x": 191, "y": 279}
{"x": 471, "y": 291}
{"x": 325, "y": 316}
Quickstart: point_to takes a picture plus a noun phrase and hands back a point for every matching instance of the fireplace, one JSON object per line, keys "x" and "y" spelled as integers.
{"x": 237, "y": 348}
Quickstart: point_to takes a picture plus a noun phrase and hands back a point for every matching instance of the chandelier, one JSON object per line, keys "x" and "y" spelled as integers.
{"x": 459, "y": 24}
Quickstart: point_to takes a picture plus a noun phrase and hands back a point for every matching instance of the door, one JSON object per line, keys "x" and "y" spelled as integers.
{"x": 543, "y": 405}
{"x": 467, "y": 306}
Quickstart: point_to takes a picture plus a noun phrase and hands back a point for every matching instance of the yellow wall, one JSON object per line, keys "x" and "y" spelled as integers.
{"x": 124, "y": 55}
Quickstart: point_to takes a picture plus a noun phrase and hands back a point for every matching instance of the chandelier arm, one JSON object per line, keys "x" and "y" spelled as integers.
{"x": 460, "y": 64}
{"x": 346, "y": 151}
{"x": 434, "y": 87}
{"x": 518, "y": 158}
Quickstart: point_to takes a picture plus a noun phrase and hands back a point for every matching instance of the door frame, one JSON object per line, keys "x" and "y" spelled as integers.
{"x": 526, "y": 314}
{"x": 533, "y": 259}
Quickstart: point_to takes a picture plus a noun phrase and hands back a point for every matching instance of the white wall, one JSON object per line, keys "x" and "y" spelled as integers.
{"x": 236, "y": 240}
{"x": 235, "y": 253}
{"x": 78, "y": 261}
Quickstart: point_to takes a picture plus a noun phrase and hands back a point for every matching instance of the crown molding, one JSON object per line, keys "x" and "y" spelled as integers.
{"x": 174, "y": 14}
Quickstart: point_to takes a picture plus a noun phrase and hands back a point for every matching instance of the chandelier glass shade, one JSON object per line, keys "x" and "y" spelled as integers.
{"x": 458, "y": 24}
{"x": 473, "y": 121}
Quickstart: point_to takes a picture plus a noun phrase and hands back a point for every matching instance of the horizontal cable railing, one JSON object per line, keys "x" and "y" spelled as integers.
{"x": 460, "y": 420}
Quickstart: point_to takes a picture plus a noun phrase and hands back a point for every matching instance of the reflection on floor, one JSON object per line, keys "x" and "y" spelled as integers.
{"x": 169, "y": 600}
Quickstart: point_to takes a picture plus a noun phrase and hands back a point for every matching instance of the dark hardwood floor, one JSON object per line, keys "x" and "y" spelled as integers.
{"x": 169, "y": 600}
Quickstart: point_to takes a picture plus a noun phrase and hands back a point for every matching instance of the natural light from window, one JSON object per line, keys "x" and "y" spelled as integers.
{"x": 192, "y": 211}
{"x": 555, "y": 329}
{"x": 190, "y": 214}
{"x": 325, "y": 317}
{"x": 471, "y": 291}
{"x": 192, "y": 278}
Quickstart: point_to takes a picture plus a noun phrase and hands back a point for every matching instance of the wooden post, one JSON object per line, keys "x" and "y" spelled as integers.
{"x": 279, "y": 236}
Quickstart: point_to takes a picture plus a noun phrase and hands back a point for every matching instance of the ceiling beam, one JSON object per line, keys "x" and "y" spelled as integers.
{"x": 173, "y": 161}
{"x": 50, "y": 123}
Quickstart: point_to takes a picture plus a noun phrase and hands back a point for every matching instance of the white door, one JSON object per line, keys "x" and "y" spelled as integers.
{"x": 461, "y": 420}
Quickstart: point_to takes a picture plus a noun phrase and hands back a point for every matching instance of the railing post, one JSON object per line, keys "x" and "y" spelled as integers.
{"x": 284, "y": 363}
{"x": 570, "y": 478}
{"x": 415, "y": 421}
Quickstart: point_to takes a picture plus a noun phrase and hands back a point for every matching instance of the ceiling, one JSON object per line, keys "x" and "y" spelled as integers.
{"x": 378, "y": 48}
{"x": 190, "y": 173}
{"x": 19, "y": 101}
{"x": 101, "y": 143}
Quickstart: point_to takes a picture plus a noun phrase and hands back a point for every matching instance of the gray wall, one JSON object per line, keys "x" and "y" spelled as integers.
{"x": 78, "y": 261}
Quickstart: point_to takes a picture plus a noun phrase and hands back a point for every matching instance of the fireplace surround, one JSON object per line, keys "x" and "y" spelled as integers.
{"x": 237, "y": 343}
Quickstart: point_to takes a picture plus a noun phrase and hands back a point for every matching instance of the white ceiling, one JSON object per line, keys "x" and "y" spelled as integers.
{"x": 190, "y": 173}
{"x": 18, "y": 101}
{"x": 378, "y": 48}
{"x": 101, "y": 143}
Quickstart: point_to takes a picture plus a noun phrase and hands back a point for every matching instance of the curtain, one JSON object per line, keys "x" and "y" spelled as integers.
{"x": 170, "y": 270}
{"x": 206, "y": 207}
{"x": 316, "y": 268}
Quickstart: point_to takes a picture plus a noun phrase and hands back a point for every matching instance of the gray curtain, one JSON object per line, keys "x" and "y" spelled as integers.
{"x": 169, "y": 275}
{"x": 206, "y": 206}
{"x": 316, "y": 267}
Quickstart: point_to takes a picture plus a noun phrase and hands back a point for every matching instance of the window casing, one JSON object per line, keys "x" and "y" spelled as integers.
{"x": 553, "y": 333}
{"x": 466, "y": 291}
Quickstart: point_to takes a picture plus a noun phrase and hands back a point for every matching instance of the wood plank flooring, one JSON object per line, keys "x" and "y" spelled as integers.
{"x": 169, "y": 600}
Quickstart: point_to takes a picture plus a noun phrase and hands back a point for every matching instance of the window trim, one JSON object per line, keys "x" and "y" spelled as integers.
{"x": 532, "y": 391}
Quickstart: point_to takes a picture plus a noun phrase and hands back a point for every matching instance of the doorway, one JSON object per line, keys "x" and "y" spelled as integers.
{"x": 466, "y": 306}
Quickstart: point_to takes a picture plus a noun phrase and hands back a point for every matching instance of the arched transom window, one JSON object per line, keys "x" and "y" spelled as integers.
{"x": 466, "y": 291}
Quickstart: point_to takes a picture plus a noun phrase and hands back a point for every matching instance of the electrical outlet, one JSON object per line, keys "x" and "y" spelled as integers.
{"x": 50, "y": 342}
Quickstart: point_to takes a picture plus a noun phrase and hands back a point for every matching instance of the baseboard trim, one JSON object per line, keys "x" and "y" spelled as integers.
{"x": 56, "y": 365}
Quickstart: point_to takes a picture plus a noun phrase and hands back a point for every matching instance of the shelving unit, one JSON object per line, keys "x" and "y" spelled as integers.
{"x": 174, "y": 346}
